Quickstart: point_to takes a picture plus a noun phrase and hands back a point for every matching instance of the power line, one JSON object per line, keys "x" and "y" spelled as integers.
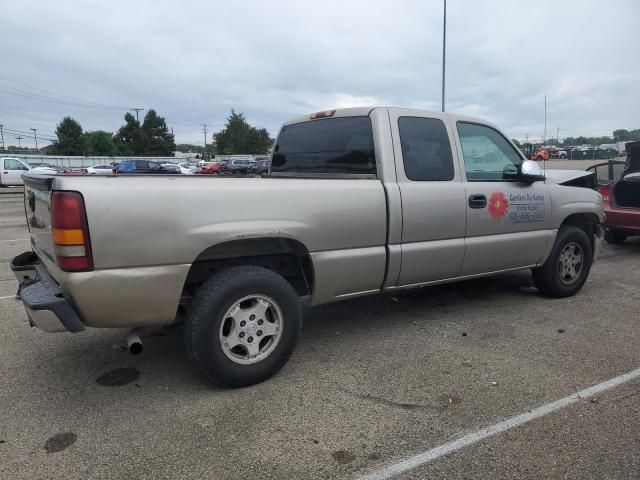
{"x": 52, "y": 97}
{"x": 19, "y": 138}
{"x": 75, "y": 99}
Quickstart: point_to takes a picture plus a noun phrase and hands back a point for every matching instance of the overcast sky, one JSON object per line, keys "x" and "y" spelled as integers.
{"x": 195, "y": 61}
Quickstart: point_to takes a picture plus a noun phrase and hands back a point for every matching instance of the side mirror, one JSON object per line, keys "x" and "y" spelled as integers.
{"x": 530, "y": 171}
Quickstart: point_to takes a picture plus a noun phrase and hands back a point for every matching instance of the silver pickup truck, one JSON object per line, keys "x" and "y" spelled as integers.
{"x": 358, "y": 201}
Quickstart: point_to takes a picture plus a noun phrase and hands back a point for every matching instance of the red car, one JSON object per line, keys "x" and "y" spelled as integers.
{"x": 619, "y": 185}
{"x": 211, "y": 169}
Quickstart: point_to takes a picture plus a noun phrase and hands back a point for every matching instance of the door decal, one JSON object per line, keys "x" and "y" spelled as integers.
{"x": 498, "y": 205}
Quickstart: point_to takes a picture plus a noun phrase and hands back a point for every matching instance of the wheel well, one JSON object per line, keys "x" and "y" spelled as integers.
{"x": 584, "y": 221}
{"x": 284, "y": 256}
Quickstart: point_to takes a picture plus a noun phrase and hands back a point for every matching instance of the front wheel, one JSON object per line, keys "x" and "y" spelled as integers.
{"x": 568, "y": 265}
{"x": 242, "y": 326}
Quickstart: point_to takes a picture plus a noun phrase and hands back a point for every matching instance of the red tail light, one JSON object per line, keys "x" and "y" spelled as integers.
{"x": 605, "y": 192}
{"x": 70, "y": 232}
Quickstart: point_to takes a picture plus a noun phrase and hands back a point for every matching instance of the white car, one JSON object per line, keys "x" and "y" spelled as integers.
{"x": 100, "y": 170}
{"x": 188, "y": 166}
{"x": 173, "y": 166}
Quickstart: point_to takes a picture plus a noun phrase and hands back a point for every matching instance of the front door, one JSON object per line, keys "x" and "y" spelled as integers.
{"x": 508, "y": 222}
{"x": 433, "y": 197}
{"x": 12, "y": 171}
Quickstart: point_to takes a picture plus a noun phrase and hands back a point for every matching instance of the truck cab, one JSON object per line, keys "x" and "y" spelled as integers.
{"x": 11, "y": 171}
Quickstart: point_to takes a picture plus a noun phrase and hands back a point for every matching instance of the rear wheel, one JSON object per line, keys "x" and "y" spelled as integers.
{"x": 242, "y": 326}
{"x": 568, "y": 265}
{"x": 615, "y": 236}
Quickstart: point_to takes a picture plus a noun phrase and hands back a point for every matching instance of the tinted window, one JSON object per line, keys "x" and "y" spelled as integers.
{"x": 154, "y": 166}
{"x": 426, "y": 151}
{"x": 334, "y": 145}
{"x": 487, "y": 154}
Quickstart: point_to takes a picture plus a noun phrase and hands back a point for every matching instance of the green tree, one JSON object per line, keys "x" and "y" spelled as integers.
{"x": 516, "y": 143}
{"x": 157, "y": 140}
{"x": 239, "y": 137}
{"x": 128, "y": 138}
{"x": 100, "y": 143}
{"x": 70, "y": 141}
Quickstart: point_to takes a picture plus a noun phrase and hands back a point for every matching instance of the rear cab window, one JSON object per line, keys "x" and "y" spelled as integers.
{"x": 339, "y": 145}
{"x": 426, "y": 150}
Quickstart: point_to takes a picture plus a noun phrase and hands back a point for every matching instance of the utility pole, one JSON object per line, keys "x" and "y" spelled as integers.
{"x": 19, "y": 137}
{"x": 2, "y": 135}
{"x": 35, "y": 138}
{"x": 558, "y": 134}
{"x": 137, "y": 110}
{"x": 204, "y": 129}
{"x": 444, "y": 47}
{"x": 544, "y": 138}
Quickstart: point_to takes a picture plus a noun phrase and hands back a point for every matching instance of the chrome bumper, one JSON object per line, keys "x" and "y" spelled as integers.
{"x": 43, "y": 299}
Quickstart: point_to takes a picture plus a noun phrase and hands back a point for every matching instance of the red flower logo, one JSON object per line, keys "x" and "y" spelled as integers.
{"x": 498, "y": 205}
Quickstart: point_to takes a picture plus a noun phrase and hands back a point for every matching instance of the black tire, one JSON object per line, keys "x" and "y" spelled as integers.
{"x": 615, "y": 236}
{"x": 548, "y": 278}
{"x": 203, "y": 324}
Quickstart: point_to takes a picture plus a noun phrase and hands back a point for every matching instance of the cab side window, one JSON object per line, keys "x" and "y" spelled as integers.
{"x": 11, "y": 164}
{"x": 488, "y": 156}
{"x": 426, "y": 151}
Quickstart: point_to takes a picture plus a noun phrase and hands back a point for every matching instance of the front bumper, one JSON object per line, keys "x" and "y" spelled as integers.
{"x": 42, "y": 297}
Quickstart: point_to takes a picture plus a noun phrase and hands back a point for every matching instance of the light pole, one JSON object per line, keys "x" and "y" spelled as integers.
{"x": 2, "y": 135}
{"x": 444, "y": 47}
{"x": 35, "y": 138}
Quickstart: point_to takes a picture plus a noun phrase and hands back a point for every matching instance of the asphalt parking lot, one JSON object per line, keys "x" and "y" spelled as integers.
{"x": 373, "y": 382}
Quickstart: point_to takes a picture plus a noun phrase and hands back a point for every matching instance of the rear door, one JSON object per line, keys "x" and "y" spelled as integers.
{"x": 12, "y": 171}
{"x": 433, "y": 197}
{"x": 508, "y": 222}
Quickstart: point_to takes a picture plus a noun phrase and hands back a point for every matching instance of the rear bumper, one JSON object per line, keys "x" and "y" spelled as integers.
{"x": 627, "y": 219}
{"x": 43, "y": 299}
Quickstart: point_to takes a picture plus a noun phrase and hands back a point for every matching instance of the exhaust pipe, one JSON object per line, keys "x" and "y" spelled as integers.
{"x": 134, "y": 343}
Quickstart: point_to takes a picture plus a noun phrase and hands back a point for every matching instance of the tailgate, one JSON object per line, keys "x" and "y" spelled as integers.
{"x": 37, "y": 206}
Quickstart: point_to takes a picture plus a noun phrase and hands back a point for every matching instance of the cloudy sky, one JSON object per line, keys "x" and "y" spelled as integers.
{"x": 195, "y": 61}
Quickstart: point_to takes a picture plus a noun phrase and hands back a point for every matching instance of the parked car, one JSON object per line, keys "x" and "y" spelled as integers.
{"x": 359, "y": 201}
{"x": 189, "y": 166}
{"x": 212, "y": 168}
{"x": 235, "y": 166}
{"x": 100, "y": 170}
{"x": 176, "y": 168}
{"x": 259, "y": 167}
{"x": 619, "y": 185}
{"x": 142, "y": 166}
{"x": 12, "y": 169}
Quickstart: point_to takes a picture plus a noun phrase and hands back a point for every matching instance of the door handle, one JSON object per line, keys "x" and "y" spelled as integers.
{"x": 477, "y": 201}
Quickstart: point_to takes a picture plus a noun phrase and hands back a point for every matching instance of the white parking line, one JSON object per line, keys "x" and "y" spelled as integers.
{"x": 16, "y": 240}
{"x": 516, "y": 421}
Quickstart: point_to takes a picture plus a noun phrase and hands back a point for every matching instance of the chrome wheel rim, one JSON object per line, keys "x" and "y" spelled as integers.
{"x": 251, "y": 329}
{"x": 570, "y": 263}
